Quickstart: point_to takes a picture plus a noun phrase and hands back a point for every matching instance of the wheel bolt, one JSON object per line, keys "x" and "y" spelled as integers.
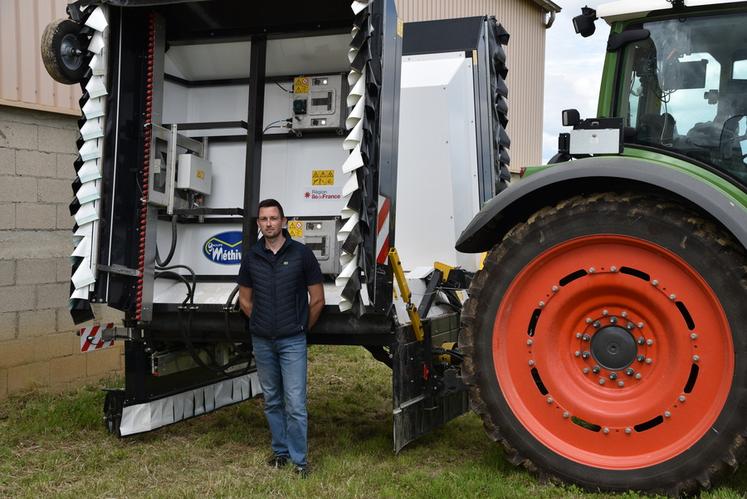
{"x": 628, "y": 431}
{"x": 592, "y": 270}
{"x": 649, "y": 360}
{"x": 566, "y": 415}
{"x": 578, "y": 336}
{"x": 550, "y": 400}
{"x": 605, "y": 312}
{"x": 586, "y": 370}
{"x": 641, "y": 340}
{"x": 613, "y": 376}
{"x": 640, "y": 358}
{"x": 629, "y": 371}
{"x": 589, "y": 320}
{"x": 640, "y": 325}
{"x": 597, "y": 324}
{"x": 586, "y": 337}
{"x": 613, "y": 320}
{"x": 555, "y": 289}
{"x": 624, "y": 314}
{"x": 613, "y": 269}
{"x": 638, "y": 375}
{"x": 649, "y": 342}
{"x": 681, "y": 398}
{"x": 605, "y": 430}
{"x": 577, "y": 353}
{"x": 541, "y": 304}
{"x": 530, "y": 342}
{"x": 696, "y": 358}
{"x": 621, "y": 383}
{"x": 602, "y": 381}
{"x": 693, "y": 336}
{"x": 531, "y": 362}
{"x": 630, "y": 326}
{"x": 667, "y": 414}
{"x": 585, "y": 355}
{"x": 655, "y": 282}
{"x": 673, "y": 297}
{"x": 595, "y": 369}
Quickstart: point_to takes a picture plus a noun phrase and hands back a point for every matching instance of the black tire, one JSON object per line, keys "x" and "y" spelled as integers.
{"x": 702, "y": 245}
{"x": 64, "y": 51}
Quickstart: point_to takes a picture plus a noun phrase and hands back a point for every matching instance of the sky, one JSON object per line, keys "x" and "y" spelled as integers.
{"x": 573, "y": 70}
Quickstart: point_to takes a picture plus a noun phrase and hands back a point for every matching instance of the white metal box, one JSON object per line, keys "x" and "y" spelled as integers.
{"x": 194, "y": 173}
{"x": 317, "y": 102}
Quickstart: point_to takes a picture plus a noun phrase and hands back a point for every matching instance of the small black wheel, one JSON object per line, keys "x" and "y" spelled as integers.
{"x": 113, "y": 404}
{"x": 63, "y": 51}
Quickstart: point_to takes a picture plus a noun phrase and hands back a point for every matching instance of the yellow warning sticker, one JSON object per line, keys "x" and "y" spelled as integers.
{"x": 200, "y": 174}
{"x": 322, "y": 177}
{"x": 301, "y": 85}
{"x": 400, "y": 27}
{"x": 295, "y": 228}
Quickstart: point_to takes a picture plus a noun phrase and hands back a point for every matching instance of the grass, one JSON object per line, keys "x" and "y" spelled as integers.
{"x": 56, "y": 445}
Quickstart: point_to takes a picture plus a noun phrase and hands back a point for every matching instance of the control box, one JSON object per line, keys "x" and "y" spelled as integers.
{"x": 318, "y": 102}
{"x": 320, "y": 236}
{"x": 194, "y": 173}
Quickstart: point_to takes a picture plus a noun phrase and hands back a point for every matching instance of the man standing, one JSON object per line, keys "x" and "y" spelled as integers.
{"x": 281, "y": 293}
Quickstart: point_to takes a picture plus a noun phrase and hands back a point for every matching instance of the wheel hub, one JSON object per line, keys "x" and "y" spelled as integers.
{"x": 613, "y": 348}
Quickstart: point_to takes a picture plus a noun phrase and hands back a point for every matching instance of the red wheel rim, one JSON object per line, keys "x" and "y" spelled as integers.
{"x": 567, "y": 313}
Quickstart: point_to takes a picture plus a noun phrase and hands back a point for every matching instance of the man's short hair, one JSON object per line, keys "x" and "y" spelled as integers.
{"x": 269, "y": 203}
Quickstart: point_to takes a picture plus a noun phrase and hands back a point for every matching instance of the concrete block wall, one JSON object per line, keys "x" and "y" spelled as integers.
{"x": 38, "y": 347}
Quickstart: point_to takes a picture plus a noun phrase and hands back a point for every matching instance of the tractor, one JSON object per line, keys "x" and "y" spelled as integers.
{"x": 604, "y": 339}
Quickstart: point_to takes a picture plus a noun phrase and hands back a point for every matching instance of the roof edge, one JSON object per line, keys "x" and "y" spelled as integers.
{"x": 548, "y": 6}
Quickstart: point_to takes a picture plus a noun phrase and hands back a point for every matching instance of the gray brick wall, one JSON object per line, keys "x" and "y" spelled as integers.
{"x": 37, "y": 151}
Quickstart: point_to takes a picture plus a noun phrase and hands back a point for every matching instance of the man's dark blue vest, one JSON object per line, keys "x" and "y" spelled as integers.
{"x": 281, "y": 303}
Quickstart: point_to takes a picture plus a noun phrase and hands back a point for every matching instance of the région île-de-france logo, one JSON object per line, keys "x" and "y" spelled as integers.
{"x": 224, "y": 248}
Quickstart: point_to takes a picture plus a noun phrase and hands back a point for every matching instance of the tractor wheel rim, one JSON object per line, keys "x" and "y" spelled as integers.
{"x": 613, "y": 352}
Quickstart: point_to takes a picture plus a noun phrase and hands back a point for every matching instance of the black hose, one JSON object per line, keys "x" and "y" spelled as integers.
{"x": 192, "y": 272}
{"x": 190, "y": 287}
{"x": 159, "y": 263}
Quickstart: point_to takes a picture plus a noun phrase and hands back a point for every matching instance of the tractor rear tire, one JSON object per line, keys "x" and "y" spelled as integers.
{"x": 606, "y": 345}
{"x": 64, "y": 51}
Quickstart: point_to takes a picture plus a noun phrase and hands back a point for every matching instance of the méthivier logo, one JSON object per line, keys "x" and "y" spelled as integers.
{"x": 224, "y": 248}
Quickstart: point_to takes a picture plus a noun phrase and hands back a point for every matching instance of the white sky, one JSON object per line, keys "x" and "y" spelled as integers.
{"x": 573, "y": 71}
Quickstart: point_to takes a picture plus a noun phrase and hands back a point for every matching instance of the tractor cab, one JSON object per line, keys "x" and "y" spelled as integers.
{"x": 677, "y": 74}
{"x": 683, "y": 87}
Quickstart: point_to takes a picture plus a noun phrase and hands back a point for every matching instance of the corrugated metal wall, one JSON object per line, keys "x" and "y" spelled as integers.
{"x": 524, "y": 21}
{"x": 23, "y": 80}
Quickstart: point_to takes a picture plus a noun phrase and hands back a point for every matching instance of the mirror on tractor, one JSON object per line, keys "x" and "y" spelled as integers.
{"x": 571, "y": 117}
{"x": 584, "y": 24}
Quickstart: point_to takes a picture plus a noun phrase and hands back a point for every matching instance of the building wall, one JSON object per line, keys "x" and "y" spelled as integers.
{"x": 38, "y": 346}
{"x": 23, "y": 80}
{"x": 524, "y": 20}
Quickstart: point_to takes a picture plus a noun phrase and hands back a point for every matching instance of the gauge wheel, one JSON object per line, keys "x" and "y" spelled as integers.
{"x": 64, "y": 51}
{"x": 605, "y": 342}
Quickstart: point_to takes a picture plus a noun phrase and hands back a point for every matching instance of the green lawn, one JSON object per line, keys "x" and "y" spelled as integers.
{"x": 56, "y": 445}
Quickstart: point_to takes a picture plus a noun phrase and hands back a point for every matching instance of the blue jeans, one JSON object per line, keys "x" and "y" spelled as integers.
{"x": 281, "y": 367}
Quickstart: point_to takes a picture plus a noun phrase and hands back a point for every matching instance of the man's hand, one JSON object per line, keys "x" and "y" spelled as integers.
{"x": 246, "y": 300}
{"x": 316, "y": 303}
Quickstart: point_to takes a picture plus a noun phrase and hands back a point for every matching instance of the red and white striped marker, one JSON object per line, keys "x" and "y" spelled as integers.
{"x": 382, "y": 230}
{"x": 91, "y": 337}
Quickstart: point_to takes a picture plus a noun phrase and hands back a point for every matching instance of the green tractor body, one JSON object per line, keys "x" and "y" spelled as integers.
{"x": 605, "y": 336}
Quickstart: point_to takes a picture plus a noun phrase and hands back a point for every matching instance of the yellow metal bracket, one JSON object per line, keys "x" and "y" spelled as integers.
{"x": 404, "y": 289}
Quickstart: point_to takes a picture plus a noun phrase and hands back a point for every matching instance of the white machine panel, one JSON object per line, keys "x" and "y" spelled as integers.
{"x": 601, "y": 141}
{"x": 437, "y": 187}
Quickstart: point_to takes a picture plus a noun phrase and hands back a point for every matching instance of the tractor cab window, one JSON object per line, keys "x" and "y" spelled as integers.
{"x": 685, "y": 89}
